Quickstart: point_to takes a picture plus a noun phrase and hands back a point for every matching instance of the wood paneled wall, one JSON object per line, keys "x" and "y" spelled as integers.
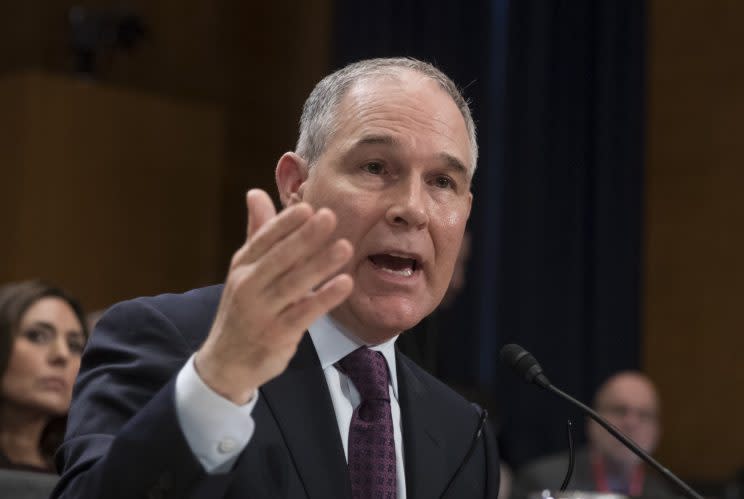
{"x": 275, "y": 54}
{"x": 251, "y": 63}
{"x": 181, "y": 55}
{"x": 694, "y": 300}
{"x": 108, "y": 192}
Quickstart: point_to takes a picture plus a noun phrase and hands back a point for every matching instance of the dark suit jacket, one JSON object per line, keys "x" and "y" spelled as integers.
{"x": 548, "y": 473}
{"x": 124, "y": 439}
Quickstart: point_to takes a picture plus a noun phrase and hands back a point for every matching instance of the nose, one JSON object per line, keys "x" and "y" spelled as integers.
{"x": 632, "y": 420}
{"x": 59, "y": 352}
{"x": 407, "y": 206}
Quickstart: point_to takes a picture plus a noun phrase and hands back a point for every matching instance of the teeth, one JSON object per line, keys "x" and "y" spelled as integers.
{"x": 405, "y": 272}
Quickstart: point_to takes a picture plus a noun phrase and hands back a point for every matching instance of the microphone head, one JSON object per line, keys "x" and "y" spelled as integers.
{"x": 524, "y": 364}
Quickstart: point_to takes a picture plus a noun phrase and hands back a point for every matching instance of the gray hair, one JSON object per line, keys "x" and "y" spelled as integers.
{"x": 318, "y": 121}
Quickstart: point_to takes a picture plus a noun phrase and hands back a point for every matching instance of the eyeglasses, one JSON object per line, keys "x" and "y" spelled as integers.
{"x": 620, "y": 411}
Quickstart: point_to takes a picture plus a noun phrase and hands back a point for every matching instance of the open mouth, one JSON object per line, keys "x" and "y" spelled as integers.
{"x": 395, "y": 264}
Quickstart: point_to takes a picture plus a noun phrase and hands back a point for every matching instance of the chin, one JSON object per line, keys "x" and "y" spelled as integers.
{"x": 53, "y": 406}
{"x": 625, "y": 457}
{"x": 384, "y": 317}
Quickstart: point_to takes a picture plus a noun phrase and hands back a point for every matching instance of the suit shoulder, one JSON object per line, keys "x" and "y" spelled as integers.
{"x": 191, "y": 312}
{"x": 190, "y": 304}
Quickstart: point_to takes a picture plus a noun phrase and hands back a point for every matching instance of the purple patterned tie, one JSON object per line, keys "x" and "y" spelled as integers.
{"x": 371, "y": 444}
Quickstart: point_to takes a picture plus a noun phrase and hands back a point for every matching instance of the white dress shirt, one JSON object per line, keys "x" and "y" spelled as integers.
{"x": 217, "y": 430}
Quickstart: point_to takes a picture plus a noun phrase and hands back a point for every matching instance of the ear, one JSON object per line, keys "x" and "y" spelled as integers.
{"x": 291, "y": 174}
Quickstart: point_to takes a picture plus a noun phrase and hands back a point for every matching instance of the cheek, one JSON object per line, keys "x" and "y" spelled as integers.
{"x": 73, "y": 369}
{"x": 454, "y": 219}
{"x": 355, "y": 218}
{"x": 648, "y": 435}
{"x": 24, "y": 361}
{"x": 447, "y": 234}
{"x": 453, "y": 215}
{"x": 17, "y": 378}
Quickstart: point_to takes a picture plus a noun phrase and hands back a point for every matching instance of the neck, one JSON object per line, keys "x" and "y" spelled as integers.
{"x": 617, "y": 468}
{"x": 350, "y": 326}
{"x": 20, "y": 434}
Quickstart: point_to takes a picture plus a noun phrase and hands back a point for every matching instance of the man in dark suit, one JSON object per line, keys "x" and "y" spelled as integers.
{"x": 285, "y": 382}
{"x": 628, "y": 400}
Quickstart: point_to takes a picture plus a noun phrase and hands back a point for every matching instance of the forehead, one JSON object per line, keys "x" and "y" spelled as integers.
{"x": 51, "y": 309}
{"x": 631, "y": 390}
{"x": 408, "y": 104}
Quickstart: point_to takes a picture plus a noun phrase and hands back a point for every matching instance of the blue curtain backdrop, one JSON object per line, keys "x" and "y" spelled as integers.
{"x": 557, "y": 90}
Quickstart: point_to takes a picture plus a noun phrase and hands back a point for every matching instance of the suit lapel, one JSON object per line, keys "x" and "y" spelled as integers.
{"x": 423, "y": 441}
{"x": 301, "y": 403}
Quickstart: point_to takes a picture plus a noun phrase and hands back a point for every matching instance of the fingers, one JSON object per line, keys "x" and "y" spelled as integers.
{"x": 310, "y": 273}
{"x": 269, "y": 299}
{"x": 260, "y": 210}
{"x": 299, "y": 246}
{"x": 271, "y": 232}
{"x": 296, "y": 318}
{"x": 287, "y": 257}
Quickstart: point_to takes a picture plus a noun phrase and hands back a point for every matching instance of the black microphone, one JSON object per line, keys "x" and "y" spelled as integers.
{"x": 527, "y": 367}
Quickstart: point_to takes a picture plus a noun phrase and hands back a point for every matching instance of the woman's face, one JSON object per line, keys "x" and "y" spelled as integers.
{"x": 45, "y": 358}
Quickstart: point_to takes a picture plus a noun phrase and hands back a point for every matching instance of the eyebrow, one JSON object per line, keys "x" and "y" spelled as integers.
{"x": 44, "y": 325}
{"x": 49, "y": 326}
{"x": 387, "y": 140}
{"x": 452, "y": 162}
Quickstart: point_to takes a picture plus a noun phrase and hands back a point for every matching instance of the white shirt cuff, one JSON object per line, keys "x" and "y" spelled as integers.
{"x": 216, "y": 429}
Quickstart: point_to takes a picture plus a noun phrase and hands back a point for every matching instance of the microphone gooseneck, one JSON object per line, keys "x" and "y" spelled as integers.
{"x": 476, "y": 436}
{"x": 571, "y": 457}
{"x": 527, "y": 367}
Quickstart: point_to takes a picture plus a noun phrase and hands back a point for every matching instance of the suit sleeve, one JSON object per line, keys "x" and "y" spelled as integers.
{"x": 123, "y": 437}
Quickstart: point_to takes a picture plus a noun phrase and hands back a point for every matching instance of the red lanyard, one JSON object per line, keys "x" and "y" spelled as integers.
{"x": 600, "y": 477}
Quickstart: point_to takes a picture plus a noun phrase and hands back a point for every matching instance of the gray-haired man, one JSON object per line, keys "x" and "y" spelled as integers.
{"x": 285, "y": 382}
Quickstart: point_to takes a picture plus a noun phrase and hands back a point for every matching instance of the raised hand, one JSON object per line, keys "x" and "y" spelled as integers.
{"x": 280, "y": 281}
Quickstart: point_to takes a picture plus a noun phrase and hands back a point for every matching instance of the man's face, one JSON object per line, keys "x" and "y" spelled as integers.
{"x": 396, "y": 173}
{"x": 629, "y": 402}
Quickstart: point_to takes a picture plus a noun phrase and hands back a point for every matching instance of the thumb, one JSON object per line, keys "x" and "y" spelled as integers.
{"x": 260, "y": 210}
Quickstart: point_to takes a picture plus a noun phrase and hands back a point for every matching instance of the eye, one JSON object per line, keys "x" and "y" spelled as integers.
{"x": 444, "y": 182}
{"x": 37, "y": 335}
{"x": 76, "y": 345}
{"x": 373, "y": 167}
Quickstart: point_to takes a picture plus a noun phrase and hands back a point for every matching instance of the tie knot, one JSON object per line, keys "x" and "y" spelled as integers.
{"x": 369, "y": 373}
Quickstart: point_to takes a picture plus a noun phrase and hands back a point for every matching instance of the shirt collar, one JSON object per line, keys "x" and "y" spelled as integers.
{"x": 333, "y": 343}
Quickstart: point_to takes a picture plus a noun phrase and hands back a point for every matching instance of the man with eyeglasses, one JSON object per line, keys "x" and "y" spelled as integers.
{"x": 629, "y": 401}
